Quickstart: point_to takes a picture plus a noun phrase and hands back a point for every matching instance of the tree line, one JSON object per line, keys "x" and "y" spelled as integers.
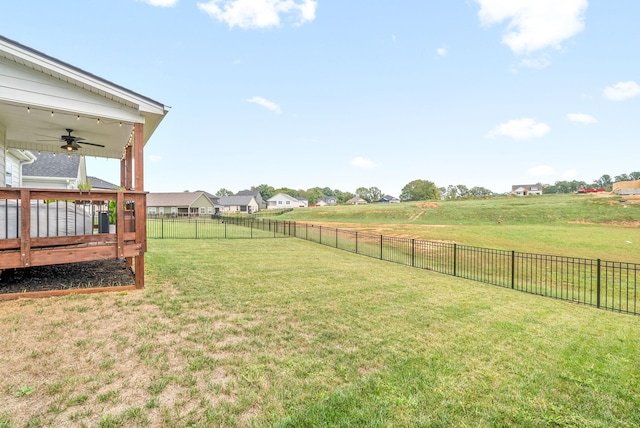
{"x": 424, "y": 190}
{"x": 604, "y": 182}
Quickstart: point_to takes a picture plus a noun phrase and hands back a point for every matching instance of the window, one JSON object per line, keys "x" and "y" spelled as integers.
{"x": 202, "y": 210}
{"x": 9, "y": 176}
{"x": 161, "y": 210}
{"x": 152, "y": 210}
{"x": 210, "y": 210}
{"x": 174, "y": 210}
{"x": 279, "y": 202}
{"x": 288, "y": 202}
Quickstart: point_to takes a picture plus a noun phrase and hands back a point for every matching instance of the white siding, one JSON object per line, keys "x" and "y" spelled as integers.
{"x": 2, "y": 152}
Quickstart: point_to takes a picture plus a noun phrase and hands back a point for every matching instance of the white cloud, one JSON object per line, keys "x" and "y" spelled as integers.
{"x": 363, "y": 163}
{"x": 622, "y": 91}
{"x": 536, "y": 63}
{"x": 161, "y": 3}
{"x": 155, "y": 158}
{"x": 520, "y": 129}
{"x": 260, "y": 13}
{"x": 534, "y": 24}
{"x": 442, "y": 51}
{"x": 541, "y": 171}
{"x": 581, "y": 118}
{"x": 570, "y": 173}
{"x": 266, "y": 104}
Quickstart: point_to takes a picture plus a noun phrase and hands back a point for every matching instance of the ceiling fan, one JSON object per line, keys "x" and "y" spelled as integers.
{"x": 73, "y": 142}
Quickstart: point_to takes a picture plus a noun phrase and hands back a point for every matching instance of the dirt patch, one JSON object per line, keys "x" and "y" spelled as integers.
{"x": 98, "y": 273}
{"x": 427, "y": 205}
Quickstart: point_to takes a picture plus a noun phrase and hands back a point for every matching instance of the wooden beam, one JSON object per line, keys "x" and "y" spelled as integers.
{"x": 55, "y": 293}
{"x": 141, "y": 211}
{"x": 129, "y": 168}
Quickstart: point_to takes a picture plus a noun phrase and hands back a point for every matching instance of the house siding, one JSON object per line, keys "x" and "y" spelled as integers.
{"x": 3, "y": 137}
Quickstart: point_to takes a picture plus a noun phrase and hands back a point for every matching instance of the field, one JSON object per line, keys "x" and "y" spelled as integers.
{"x": 284, "y": 332}
{"x": 588, "y": 226}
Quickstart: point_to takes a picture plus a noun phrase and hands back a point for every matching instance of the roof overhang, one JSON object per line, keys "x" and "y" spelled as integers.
{"x": 41, "y": 96}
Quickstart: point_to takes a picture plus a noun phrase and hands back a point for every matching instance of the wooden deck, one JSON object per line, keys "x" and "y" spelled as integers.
{"x": 31, "y": 247}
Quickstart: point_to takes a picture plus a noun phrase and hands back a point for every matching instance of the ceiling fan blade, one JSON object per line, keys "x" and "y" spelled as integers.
{"x": 89, "y": 144}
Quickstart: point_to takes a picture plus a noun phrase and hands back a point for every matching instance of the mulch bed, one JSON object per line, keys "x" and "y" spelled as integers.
{"x": 68, "y": 276}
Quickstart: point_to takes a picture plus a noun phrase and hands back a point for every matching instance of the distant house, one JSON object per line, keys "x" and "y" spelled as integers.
{"x": 256, "y": 194}
{"x": 214, "y": 198}
{"x": 180, "y": 204}
{"x": 388, "y": 199}
{"x": 238, "y": 204}
{"x": 98, "y": 183}
{"x": 54, "y": 171}
{"x": 304, "y": 203}
{"x": 327, "y": 200}
{"x": 356, "y": 200}
{"x": 526, "y": 189}
{"x": 282, "y": 200}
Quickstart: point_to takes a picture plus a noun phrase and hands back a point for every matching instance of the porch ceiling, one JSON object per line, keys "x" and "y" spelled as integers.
{"x": 41, "y": 97}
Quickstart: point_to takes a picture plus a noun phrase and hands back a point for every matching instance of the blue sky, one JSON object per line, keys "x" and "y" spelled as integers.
{"x": 348, "y": 94}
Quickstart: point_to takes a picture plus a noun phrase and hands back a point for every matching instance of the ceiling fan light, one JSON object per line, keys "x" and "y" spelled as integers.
{"x": 68, "y": 147}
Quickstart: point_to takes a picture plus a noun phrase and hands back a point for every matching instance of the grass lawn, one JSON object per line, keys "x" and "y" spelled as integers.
{"x": 586, "y": 226}
{"x": 284, "y": 332}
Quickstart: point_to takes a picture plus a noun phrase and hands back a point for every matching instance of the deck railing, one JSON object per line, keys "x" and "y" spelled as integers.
{"x": 44, "y": 226}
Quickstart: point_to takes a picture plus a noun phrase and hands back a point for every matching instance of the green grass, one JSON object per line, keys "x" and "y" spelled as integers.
{"x": 583, "y": 226}
{"x": 290, "y": 333}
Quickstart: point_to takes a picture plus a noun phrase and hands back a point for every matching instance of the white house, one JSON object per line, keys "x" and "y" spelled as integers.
{"x": 526, "y": 189}
{"x": 356, "y": 200}
{"x": 282, "y": 200}
{"x": 239, "y": 204}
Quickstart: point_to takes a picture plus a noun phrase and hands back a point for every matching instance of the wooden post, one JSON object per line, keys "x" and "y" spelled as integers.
{"x": 25, "y": 227}
{"x": 141, "y": 211}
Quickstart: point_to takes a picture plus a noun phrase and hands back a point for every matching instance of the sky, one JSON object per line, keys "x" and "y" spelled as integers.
{"x": 349, "y": 94}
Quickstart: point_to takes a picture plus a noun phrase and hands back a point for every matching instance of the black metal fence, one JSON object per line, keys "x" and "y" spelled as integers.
{"x": 600, "y": 283}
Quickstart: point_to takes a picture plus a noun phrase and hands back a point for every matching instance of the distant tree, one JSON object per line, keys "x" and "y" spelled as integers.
{"x": 363, "y": 192}
{"x": 419, "y": 190}
{"x": 375, "y": 194}
{"x": 451, "y": 192}
{"x": 314, "y": 194}
{"x": 563, "y": 187}
{"x": 342, "y": 196}
{"x": 328, "y": 192}
{"x": 635, "y": 175}
{"x": 369, "y": 194}
{"x": 604, "y": 182}
{"x": 265, "y": 190}
{"x": 480, "y": 192}
{"x": 224, "y": 192}
{"x": 621, "y": 177}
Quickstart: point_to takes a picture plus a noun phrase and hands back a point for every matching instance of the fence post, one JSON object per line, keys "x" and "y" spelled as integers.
{"x": 196, "y": 222}
{"x": 321, "y": 234}
{"x": 356, "y": 242}
{"x": 598, "y": 283}
{"x": 225, "y": 230}
{"x": 413, "y": 253}
{"x": 306, "y": 231}
{"x": 513, "y": 269}
{"x": 455, "y": 259}
{"x": 162, "y": 227}
{"x": 380, "y": 247}
{"x": 251, "y": 230}
{"x": 336, "y": 238}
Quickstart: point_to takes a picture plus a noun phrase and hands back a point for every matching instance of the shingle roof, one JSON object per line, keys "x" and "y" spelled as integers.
{"x": 230, "y": 201}
{"x": 52, "y": 165}
{"x": 98, "y": 183}
{"x": 173, "y": 199}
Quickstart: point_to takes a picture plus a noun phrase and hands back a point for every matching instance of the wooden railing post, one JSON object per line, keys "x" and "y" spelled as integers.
{"x": 25, "y": 227}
